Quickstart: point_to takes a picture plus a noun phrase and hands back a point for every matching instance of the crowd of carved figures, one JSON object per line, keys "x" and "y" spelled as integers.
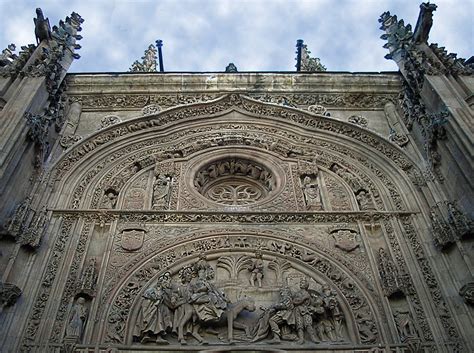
{"x": 194, "y": 307}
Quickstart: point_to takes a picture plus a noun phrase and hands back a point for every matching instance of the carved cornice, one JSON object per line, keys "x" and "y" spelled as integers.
{"x": 354, "y": 100}
{"x": 231, "y": 217}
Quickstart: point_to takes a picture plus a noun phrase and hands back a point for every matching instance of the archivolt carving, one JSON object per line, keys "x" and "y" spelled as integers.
{"x": 224, "y": 104}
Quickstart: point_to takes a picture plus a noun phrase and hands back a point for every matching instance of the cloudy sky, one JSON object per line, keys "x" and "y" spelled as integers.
{"x": 256, "y": 35}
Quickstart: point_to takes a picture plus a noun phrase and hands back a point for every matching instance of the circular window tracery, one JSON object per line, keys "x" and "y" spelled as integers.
{"x": 234, "y": 181}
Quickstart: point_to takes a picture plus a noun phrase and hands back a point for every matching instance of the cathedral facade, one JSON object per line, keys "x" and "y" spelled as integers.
{"x": 206, "y": 212}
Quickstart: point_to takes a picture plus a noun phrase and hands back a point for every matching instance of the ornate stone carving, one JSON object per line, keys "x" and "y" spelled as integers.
{"x": 18, "y": 221}
{"x": 148, "y": 63}
{"x": 109, "y": 199}
{"x": 364, "y": 199}
{"x": 256, "y": 269}
{"x": 442, "y": 234}
{"x": 161, "y": 192}
{"x": 308, "y": 63}
{"x": 318, "y": 109}
{"x": 346, "y": 239}
{"x": 459, "y": 222}
{"x": 151, "y": 109}
{"x": 467, "y": 292}
{"x": 32, "y": 235}
{"x": 132, "y": 239}
{"x": 87, "y": 283}
{"x": 9, "y": 294}
{"x": 358, "y": 120}
{"x": 69, "y": 140}
{"x": 234, "y": 181}
{"x": 311, "y": 191}
{"x": 108, "y": 121}
{"x": 390, "y": 279}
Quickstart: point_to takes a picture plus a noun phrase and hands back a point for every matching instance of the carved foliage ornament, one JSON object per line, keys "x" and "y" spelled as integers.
{"x": 222, "y": 105}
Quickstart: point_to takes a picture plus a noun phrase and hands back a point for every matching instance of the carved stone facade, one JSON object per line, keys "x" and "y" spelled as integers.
{"x": 292, "y": 218}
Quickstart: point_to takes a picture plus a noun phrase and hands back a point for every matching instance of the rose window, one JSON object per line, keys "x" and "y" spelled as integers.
{"x": 234, "y": 181}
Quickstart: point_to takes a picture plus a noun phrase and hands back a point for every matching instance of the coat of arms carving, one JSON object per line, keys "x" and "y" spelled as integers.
{"x": 132, "y": 239}
{"x": 346, "y": 239}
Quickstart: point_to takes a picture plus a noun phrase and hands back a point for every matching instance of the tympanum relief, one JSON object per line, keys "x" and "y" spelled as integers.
{"x": 208, "y": 301}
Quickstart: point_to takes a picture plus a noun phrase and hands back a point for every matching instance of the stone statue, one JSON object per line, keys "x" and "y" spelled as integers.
{"x": 155, "y": 317}
{"x": 89, "y": 277}
{"x": 405, "y": 326}
{"x": 77, "y": 320}
{"x": 311, "y": 193}
{"x": 42, "y": 27}
{"x": 325, "y": 326}
{"x": 462, "y": 225}
{"x": 231, "y": 68}
{"x": 424, "y": 23}
{"x": 281, "y": 313}
{"x": 365, "y": 201}
{"x": 17, "y": 221}
{"x": 467, "y": 292}
{"x": 109, "y": 200}
{"x": 32, "y": 236}
{"x": 161, "y": 190}
{"x": 304, "y": 311}
{"x": 256, "y": 269}
{"x": 7, "y": 57}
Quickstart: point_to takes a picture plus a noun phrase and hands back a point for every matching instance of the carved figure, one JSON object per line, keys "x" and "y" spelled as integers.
{"x": 7, "y": 57}
{"x": 424, "y": 23}
{"x": 17, "y": 221}
{"x": 459, "y": 221}
{"x": 304, "y": 311}
{"x": 9, "y": 294}
{"x": 32, "y": 236}
{"x": 405, "y": 326}
{"x": 256, "y": 269}
{"x": 365, "y": 201}
{"x": 281, "y": 313}
{"x": 42, "y": 27}
{"x": 77, "y": 320}
{"x": 109, "y": 200}
{"x": 89, "y": 277}
{"x": 311, "y": 193}
{"x": 231, "y": 68}
{"x": 325, "y": 326}
{"x": 388, "y": 274}
{"x": 467, "y": 292}
{"x": 204, "y": 303}
{"x": 161, "y": 190}
{"x": 155, "y": 317}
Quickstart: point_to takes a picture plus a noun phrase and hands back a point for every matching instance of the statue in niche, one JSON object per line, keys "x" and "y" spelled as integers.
{"x": 305, "y": 308}
{"x": 155, "y": 317}
{"x": 77, "y": 320}
{"x": 161, "y": 191}
{"x": 109, "y": 199}
{"x": 311, "y": 193}
{"x": 405, "y": 326}
{"x": 256, "y": 269}
{"x": 365, "y": 200}
{"x": 459, "y": 221}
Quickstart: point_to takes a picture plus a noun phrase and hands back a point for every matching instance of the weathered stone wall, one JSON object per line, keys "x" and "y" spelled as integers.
{"x": 243, "y": 184}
